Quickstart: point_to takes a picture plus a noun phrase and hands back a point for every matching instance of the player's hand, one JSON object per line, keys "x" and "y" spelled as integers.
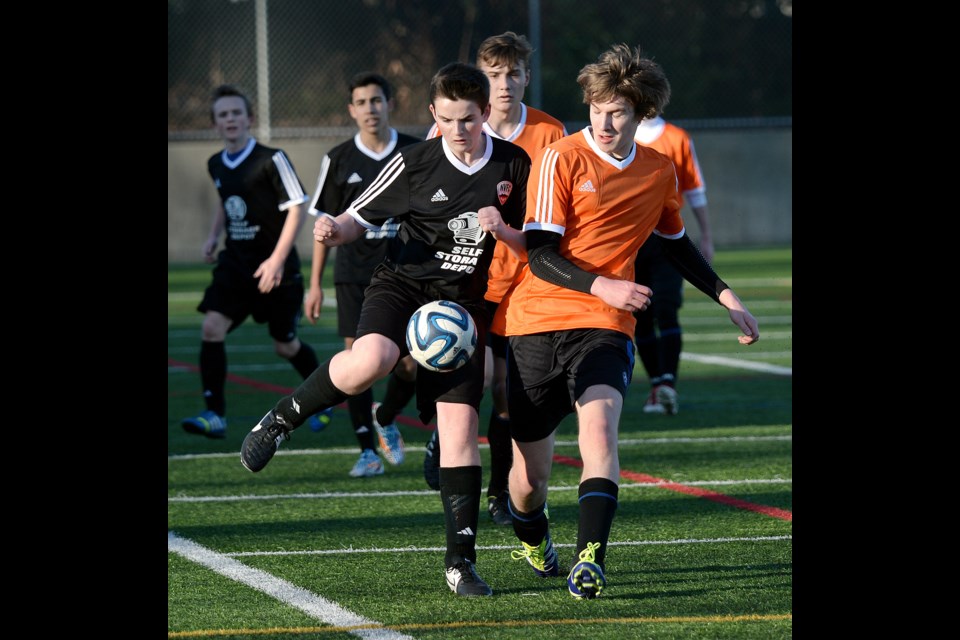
{"x": 741, "y": 317}
{"x": 312, "y": 304}
{"x": 622, "y": 294}
{"x": 269, "y": 274}
{"x": 747, "y": 323}
{"x": 490, "y": 220}
{"x": 209, "y": 249}
{"x": 325, "y": 228}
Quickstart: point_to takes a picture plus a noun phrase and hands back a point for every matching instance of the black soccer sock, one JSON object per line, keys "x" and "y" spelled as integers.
{"x": 530, "y": 527}
{"x": 314, "y": 394}
{"x": 598, "y": 504}
{"x": 649, "y": 351}
{"x": 361, "y": 417}
{"x": 399, "y": 392}
{"x": 213, "y": 375}
{"x": 460, "y": 493}
{"x": 501, "y": 453}
{"x": 305, "y": 360}
{"x": 671, "y": 343}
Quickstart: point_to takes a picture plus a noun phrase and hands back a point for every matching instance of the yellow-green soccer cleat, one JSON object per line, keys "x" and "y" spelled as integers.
{"x": 542, "y": 558}
{"x": 586, "y": 579}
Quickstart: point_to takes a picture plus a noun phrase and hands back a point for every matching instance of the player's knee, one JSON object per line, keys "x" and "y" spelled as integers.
{"x": 287, "y": 350}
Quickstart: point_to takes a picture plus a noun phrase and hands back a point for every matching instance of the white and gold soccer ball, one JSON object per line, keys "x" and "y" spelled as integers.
{"x": 441, "y": 336}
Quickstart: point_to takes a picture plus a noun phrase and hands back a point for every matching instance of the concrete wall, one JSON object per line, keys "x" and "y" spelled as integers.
{"x": 749, "y": 176}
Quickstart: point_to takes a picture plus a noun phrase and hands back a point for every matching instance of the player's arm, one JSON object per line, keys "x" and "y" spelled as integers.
{"x": 216, "y": 228}
{"x": 313, "y": 303}
{"x": 334, "y": 232}
{"x": 326, "y": 195}
{"x": 270, "y": 270}
{"x": 706, "y": 235}
{"x": 546, "y": 262}
{"x": 492, "y": 222}
{"x": 694, "y": 268}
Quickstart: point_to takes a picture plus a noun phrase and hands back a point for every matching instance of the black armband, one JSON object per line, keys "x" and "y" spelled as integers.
{"x": 693, "y": 266}
{"x": 547, "y": 264}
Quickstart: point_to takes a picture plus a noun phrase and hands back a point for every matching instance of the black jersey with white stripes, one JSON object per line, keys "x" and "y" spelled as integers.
{"x": 345, "y": 172}
{"x": 257, "y": 188}
{"x": 435, "y": 197}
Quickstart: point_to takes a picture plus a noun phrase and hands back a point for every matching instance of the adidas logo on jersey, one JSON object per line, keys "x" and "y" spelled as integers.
{"x": 354, "y": 178}
{"x": 439, "y": 196}
{"x": 588, "y": 186}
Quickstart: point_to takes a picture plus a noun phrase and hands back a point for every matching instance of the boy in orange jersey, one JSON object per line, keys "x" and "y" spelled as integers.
{"x": 505, "y": 59}
{"x": 658, "y": 333}
{"x": 595, "y": 197}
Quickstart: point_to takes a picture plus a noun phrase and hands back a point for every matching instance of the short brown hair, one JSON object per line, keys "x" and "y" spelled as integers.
{"x": 623, "y": 72}
{"x": 225, "y": 90}
{"x": 507, "y": 48}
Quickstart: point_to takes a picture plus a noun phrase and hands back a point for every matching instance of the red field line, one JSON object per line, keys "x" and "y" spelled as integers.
{"x": 773, "y": 512}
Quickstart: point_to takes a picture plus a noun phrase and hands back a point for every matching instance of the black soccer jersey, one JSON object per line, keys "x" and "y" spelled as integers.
{"x": 435, "y": 197}
{"x": 256, "y": 189}
{"x": 345, "y": 172}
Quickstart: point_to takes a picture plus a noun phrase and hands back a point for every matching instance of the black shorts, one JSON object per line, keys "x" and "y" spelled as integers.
{"x": 349, "y": 303}
{"x": 497, "y": 343}
{"x": 654, "y": 269}
{"x": 234, "y": 293}
{"x": 547, "y": 372}
{"x": 388, "y": 303}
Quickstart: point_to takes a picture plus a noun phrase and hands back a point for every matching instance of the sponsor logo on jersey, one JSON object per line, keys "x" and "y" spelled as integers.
{"x": 503, "y": 190}
{"x": 235, "y": 207}
{"x": 439, "y": 196}
{"x": 588, "y": 186}
{"x": 466, "y": 229}
{"x": 354, "y": 178}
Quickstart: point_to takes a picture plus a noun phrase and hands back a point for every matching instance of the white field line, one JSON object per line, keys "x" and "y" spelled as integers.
{"x": 429, "y": 492}
{"x": 730, "y": 362}
{"x": 310, "y": 603}
{"x": 722, "y": 320}
{"x": 500, "y": 547}
{"x": 558, "y": 443}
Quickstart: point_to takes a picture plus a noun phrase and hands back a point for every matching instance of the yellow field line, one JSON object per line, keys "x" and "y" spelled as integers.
{"x": 209, "y": 633}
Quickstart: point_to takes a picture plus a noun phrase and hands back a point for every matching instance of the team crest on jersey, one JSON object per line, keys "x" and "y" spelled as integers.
{"x": 503, "y": 190}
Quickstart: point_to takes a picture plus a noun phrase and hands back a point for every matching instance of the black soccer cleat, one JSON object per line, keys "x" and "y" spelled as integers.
{"x": 463, "y": 580}
{"x": 498, "y": 509}
{"x": 263, "y": 441}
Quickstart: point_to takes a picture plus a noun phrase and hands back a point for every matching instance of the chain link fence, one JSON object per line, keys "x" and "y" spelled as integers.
{"x": 729, "y": 61}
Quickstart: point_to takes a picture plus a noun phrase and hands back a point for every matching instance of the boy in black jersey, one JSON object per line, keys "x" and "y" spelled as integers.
{"x": 346, "y": 170}
{"x": 258, "y": 272}
{"x": 462, "y": 175}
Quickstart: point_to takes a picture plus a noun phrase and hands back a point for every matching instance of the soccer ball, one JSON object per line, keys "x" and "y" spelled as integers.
{"x": 441, "y": 336}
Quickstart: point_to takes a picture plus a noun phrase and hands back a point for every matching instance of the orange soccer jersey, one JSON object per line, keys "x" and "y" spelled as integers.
{"x": 536, "y": 130}
{"x": 675, "y": 143}
{"x": 605, "y": 209}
